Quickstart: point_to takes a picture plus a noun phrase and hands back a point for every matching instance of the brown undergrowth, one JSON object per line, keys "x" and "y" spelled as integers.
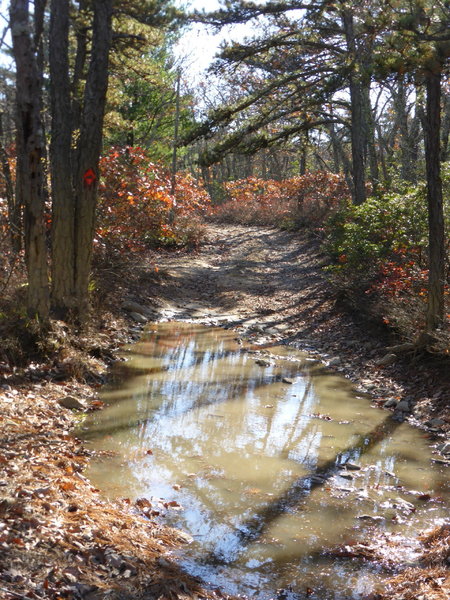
{"x": 59, "y": 538}
{"x": 430, "y": 580}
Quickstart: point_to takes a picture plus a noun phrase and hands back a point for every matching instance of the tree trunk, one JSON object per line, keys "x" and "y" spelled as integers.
{"x": 435, "y": 308}
{"x": 370, "y": 141}
{"x": 89, "y": 148}
{"x": 38, "y": 38}
{"x": 358, "y": 126}
{"x": 63, "y": 200}
{"x": 303, "y": 158}
{"x": 335, "y": 147}
{"x": 13, "y": 209}
{"x": 340, "y": 156}
{"x": 173, "y": 185}
{"x": 445, "y": 128}
{"x": 39, "y": 46}
{"x": 264, "y": 163}
{"x": 78, "y": 71}
{"x": 407, "y": 137}
{"x": 382, "y": 145}
{"x": 30, "y": 150}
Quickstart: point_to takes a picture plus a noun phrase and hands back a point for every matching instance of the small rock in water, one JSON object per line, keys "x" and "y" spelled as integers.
{"x": 317, "y": 479}
{"x": 263, "y": 362}
{"x": 72, "y": 403}
{"x": 403, "y": 406}
{"x": 334, "y": 362}
{"x": 444, "y": 448}
{"x": 352, "y": 467}
{"x": 441, "y": 461}
{"x": 138, "y": 317}
{"x": 390, "y": 403}
{"x": 399, "y": 416}
{"x": 435, "y": 423}
{"x": 403, "y": 504}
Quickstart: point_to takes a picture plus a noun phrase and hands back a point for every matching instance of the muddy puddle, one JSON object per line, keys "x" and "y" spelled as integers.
{"x": 268, "y": 460}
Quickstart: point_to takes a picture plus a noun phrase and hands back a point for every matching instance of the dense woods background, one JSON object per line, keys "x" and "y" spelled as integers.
{"x": 330, "y": 115}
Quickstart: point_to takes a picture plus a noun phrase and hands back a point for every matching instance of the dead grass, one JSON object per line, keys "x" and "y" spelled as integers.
{"x": 418, "y": 584}
{"x": 437, "y": 546}
{"x": 430, "y": 580}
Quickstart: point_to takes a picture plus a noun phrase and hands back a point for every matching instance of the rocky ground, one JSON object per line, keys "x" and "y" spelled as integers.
{"x": 58, "y": 537}
{"x": 269, "y": 286}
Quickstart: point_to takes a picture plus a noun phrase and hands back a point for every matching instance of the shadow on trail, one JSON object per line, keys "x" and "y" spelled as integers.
{"x": 256, "y": 271}
{"x": 300, "y": 490}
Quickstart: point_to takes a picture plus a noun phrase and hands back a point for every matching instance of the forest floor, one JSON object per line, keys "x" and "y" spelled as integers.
{"x": 59, "y": 538}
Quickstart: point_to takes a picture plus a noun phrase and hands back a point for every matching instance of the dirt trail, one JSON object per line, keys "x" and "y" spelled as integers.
{"x": 248, "y": 275}
{"x": 270, "y": 284}
{"x": 59, "y": 538}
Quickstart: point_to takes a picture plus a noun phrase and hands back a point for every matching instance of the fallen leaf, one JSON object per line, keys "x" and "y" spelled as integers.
{"x": 67, "y": 486}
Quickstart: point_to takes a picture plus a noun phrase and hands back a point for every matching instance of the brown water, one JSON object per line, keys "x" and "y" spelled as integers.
{"x": 258, "y": 463}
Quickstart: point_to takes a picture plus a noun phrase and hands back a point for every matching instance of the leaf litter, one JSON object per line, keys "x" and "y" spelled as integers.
{"x": 58, "y": 537}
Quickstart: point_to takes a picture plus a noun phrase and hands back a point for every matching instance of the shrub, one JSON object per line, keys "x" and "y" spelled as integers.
{"x": 136, "y": 207}
{"x": 381, "y": 249}
{"x": 361, "y": 238}
{"x": 386, "y": 237}
{"x": 289, "y": 203}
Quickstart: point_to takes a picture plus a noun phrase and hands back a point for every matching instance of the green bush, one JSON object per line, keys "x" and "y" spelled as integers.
{"x": 379, "y": 253}
{"x": 361, "y": 238}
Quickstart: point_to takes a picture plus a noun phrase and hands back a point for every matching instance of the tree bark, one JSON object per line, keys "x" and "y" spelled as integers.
{"x": 63, "y": 199}
{"x": 407, "y": 132}
{"x": 303, "y": 156}
{"x": 175, "y": 135}
{"x": 435, "y": 308}
{"x": 370, "y": 141}
{"x": 445, "y": 128}
{"x": 38, "y": 38}
{"x": 13, "y": 209}
{"x": 335, "y": 147}
{"x": 89, "y": 148}
{"x": 30, "y": 150}
{"x": 78, "y": 72}
{"x": 358, "y": 126}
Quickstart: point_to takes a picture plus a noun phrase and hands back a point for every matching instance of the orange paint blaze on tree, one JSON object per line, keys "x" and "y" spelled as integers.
{"x": 89, "y": 178}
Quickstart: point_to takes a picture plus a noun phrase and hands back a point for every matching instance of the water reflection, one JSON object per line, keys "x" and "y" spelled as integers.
{"x": 255, "y": 449}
